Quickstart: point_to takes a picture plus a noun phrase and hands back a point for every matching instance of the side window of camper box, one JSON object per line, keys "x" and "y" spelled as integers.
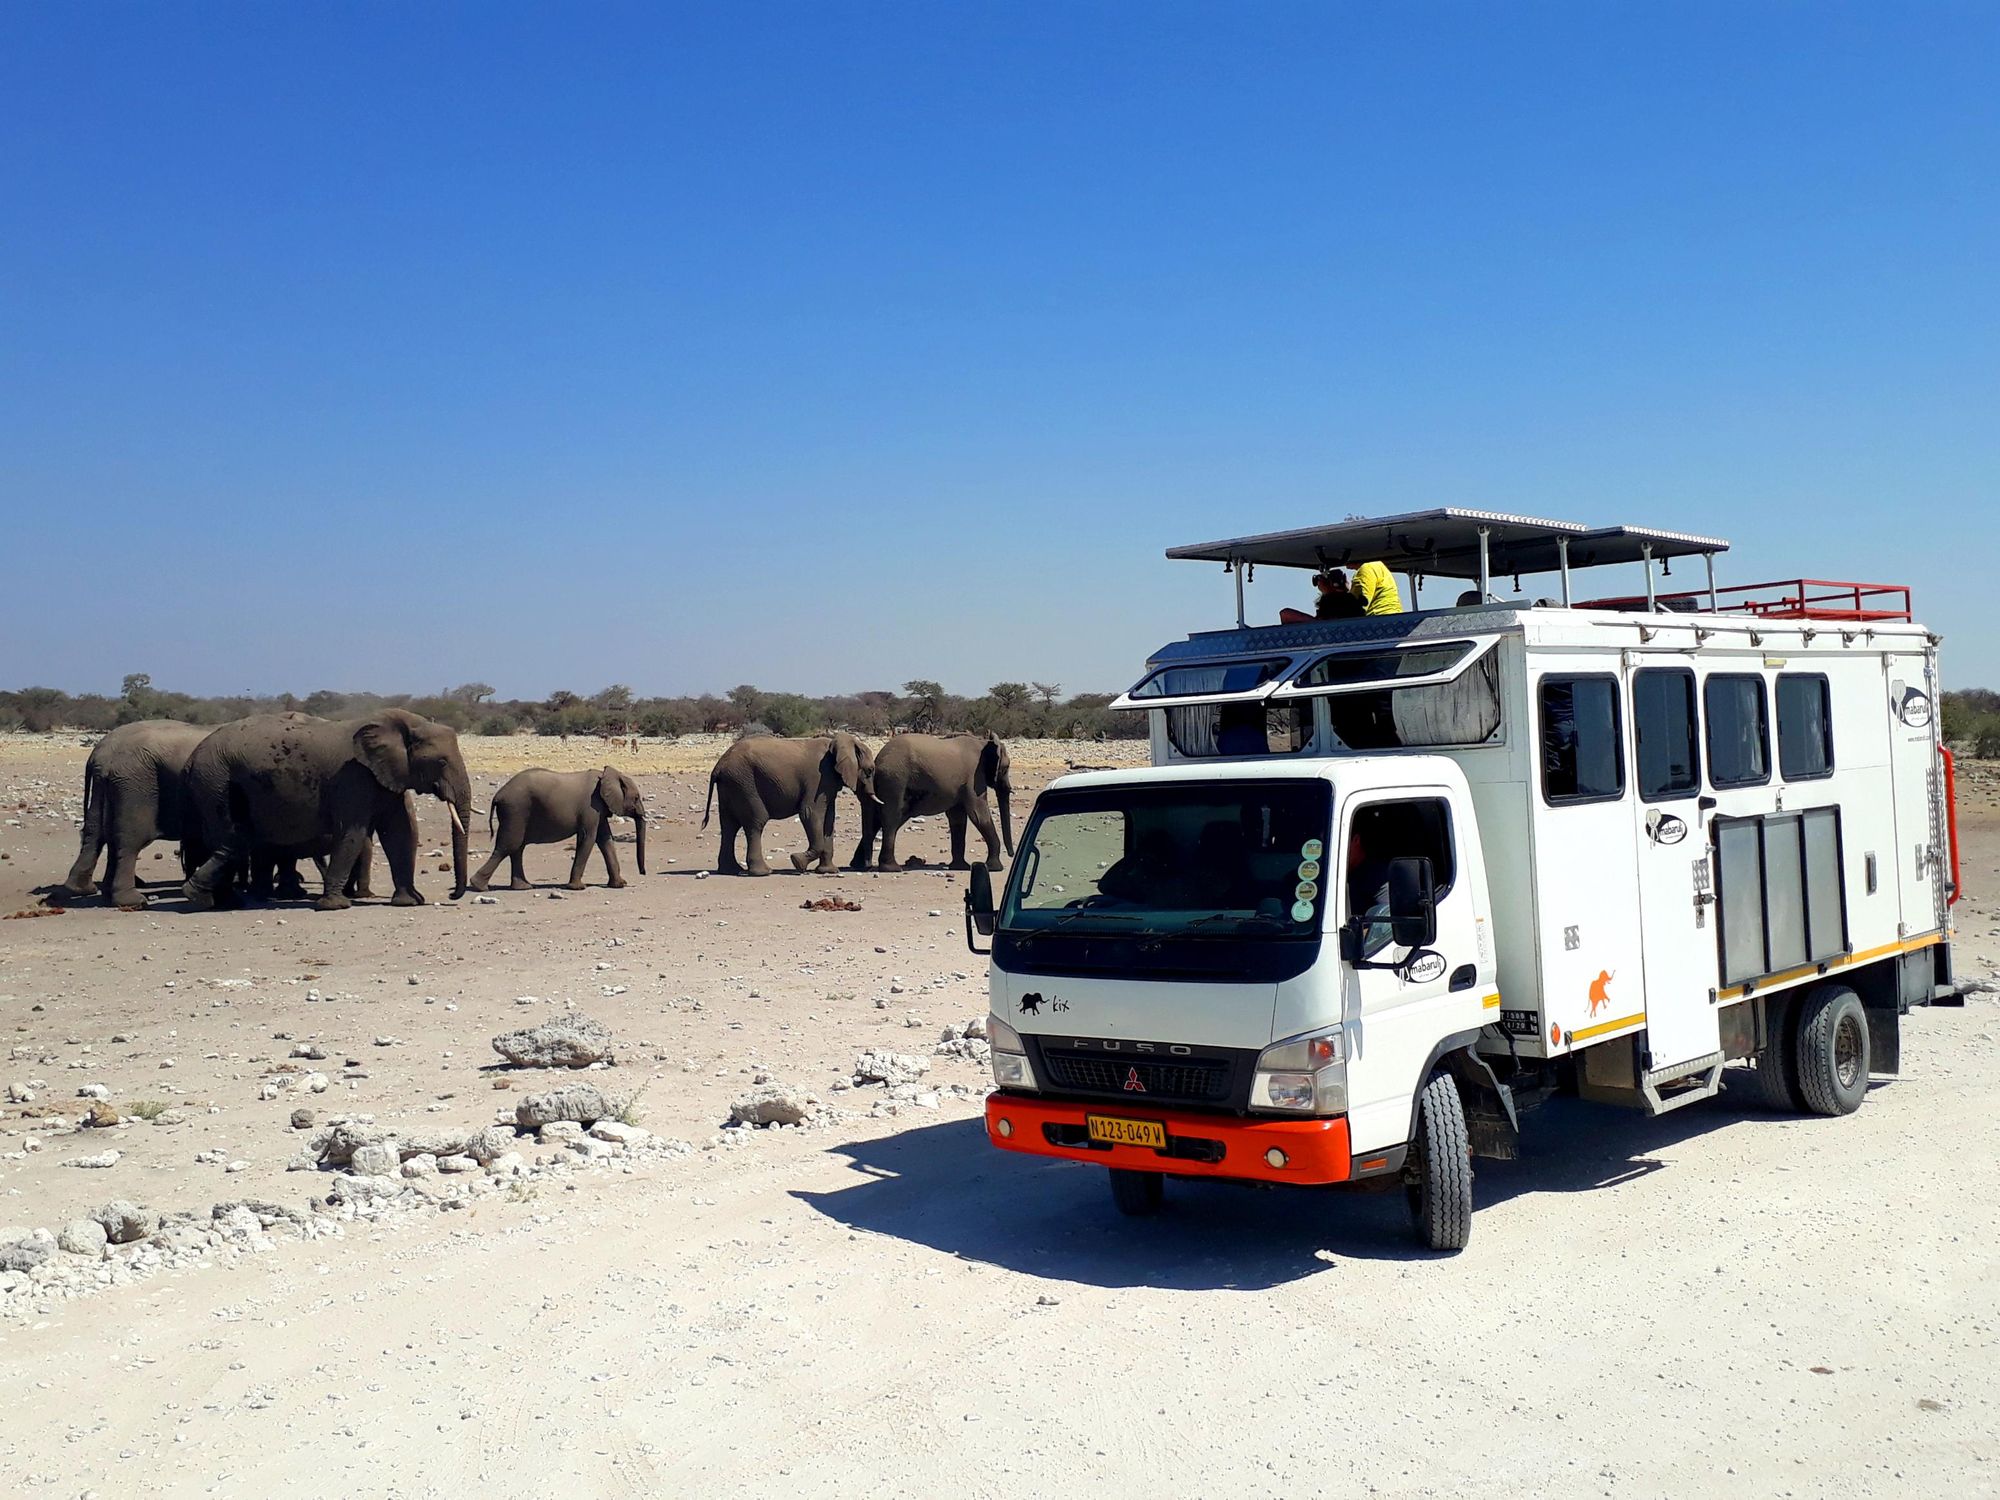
{"x": 1739, "y": 730}
{"x": 1583, "y": 751}
{"x": 1805, "y": 726}
{"x": 1663, "y": 723}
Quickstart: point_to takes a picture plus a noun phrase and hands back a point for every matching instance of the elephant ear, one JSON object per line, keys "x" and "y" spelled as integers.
{"x": 385, "y": 750}
{"x": 609, "y": 790}
{"x": 847, "y": 761}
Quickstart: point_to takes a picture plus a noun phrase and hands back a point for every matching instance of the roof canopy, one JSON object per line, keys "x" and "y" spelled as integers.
{"x": 1445, "y": 543}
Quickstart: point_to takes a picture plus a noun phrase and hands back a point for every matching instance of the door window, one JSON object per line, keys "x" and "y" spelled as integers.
{"x": 1415, "y": 827}
{"x": 1663, "y": 722}
{"x": 1583, "y": 752}
{"x": 1739, "y": 732}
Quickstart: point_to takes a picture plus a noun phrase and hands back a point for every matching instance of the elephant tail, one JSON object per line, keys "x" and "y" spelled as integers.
{"x": 709, "y": 805}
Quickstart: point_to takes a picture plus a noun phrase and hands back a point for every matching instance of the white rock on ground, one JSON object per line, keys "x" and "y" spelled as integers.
{"x": 571, "y": 1041}
{"x": 381, "y": 1159}
{"x": 875, "y": 1066}
{"x": 583, "y": 1102}
{"x": 84, "y": 1237}
{"x": 124, "y": 1222}
{"x": 24, "y": 1249}
{"x": 769, "y": 1104}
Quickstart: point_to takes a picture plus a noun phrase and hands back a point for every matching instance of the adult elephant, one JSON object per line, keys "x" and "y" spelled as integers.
{"x": 131, "y": 797}
{"x": 323, "y": 788}
{"x": 769, "y": 776}
{"x": 546, "y": 807}
{"x": 919, "y": 775}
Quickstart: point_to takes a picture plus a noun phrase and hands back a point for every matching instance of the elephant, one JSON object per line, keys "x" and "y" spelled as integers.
{"x": 917, "y": 775}
{"x": 546, "y": 807}
{"x": 769, "y": 776}
{"x": 132, "y": 787}
{"x": 321, "y": 788}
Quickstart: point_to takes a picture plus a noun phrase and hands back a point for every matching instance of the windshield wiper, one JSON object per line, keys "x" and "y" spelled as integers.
{"x": 1076, "y": 916}
{"x": 1247, "y": 918}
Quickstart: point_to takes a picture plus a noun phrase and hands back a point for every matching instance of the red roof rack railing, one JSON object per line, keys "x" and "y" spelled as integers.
{"x": 1785, "y": 599}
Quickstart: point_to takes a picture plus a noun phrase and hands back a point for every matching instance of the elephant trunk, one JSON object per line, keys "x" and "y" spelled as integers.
{"x": 1007, "y": 820}
{"x": 639, "y": 825}
{"x": 457, "y": 793}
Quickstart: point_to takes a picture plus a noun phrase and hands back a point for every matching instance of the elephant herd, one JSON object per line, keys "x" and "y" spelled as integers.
{"x": 247, "y": 801}
{"x": 913, "y": 776}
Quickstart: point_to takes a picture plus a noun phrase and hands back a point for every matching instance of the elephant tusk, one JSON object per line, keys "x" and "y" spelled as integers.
{"x": 457, "y": 823}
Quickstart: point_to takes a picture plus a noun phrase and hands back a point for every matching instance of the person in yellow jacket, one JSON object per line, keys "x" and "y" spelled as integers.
{"x": 1377, "y": 588}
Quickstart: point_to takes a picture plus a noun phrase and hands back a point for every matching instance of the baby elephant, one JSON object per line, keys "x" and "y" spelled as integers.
{"x": 546, "y": 807}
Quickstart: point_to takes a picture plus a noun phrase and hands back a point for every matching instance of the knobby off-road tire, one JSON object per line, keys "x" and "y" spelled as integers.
{"x": 1832, "y": 1051}
{"x": 1778, "y": 1063}
{"x": 1137, "y": 1194}
{"x": 1438, "y": 1179}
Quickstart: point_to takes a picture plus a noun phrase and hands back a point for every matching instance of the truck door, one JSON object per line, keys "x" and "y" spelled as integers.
{"x": 1402, "y": 1013}
{"x": 1676, "y": 922}
{"x": 1915, "y": 778}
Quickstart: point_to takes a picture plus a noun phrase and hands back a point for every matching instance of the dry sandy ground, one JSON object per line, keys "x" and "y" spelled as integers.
{"x": 1724, "y": 1301}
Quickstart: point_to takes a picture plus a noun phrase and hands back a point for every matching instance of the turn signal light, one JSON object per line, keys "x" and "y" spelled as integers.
{"x": 1004, "y": 1126}
{"x": 1276, "y": 1157}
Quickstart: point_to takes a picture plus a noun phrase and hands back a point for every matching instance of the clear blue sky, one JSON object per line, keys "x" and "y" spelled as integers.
{"x": 827, "y": 345}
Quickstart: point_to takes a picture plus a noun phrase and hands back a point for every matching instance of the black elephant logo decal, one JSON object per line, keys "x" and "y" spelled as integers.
{"x": 1031, "y": 1004}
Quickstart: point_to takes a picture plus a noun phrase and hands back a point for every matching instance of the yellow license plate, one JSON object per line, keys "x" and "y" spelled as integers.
{"x": 1116, "y": 1132}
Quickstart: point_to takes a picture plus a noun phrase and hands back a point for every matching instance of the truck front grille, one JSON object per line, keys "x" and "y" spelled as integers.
{"x": 1196, "y": 1081}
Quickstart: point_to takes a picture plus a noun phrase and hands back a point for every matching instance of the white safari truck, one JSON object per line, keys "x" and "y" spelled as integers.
{"x": 1390, "y": 880}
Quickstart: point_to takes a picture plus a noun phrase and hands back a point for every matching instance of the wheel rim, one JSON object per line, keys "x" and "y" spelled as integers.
{"x": 1847, "y": 1047}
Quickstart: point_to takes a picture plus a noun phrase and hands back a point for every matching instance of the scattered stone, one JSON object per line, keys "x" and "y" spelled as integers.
{"x": 572, "y": 1041}
{"x": 304, "y": 1119}
{"x": 618, "y": 1133}
{"x": 583, "y": 1102}
{"x": 100, "y": 1116}
{"x": 16, "y": 1094}
{"x": 423, "y": 1164}
{"x": 125, "y": 1222}
{"x": 378, "y": 1159}
{"x": 24, "y": 1249}
{"x": 310, "y": 1051}
{"x": 875, "y": 1066}
{"x": 457, "y": 1164}
{"x": 769, "y": 1104}
{"x": 560, "y": 1132}
{"x": 99, "y": 1160}
{"x": 338, "y": 1143}
{"x": 494, "y": 1141}
{"x": 93, "y": 1091}
{"x": 84, "y": 1237}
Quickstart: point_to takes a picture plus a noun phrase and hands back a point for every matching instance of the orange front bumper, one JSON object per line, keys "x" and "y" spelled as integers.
{"x": 1316, "y": 1151}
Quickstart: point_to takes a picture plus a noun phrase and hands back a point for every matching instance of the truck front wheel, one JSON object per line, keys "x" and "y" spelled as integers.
{"x": 1137, "y": 1193}
{"x": 1437, "y": 1176}
{"x": 1833, "y": 1051}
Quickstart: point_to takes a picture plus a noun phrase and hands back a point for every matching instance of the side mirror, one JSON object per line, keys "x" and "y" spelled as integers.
{"x": 979, "y": 913}
{"x": 1412, "y": 903}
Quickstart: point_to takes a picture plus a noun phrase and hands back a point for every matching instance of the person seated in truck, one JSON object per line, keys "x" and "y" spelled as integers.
{"x": 1376, "y": 587}
{"x": 1367, "y": 888}
{"x": 1336, "y": 600}
{"x": 1239, "y": 730}
{"x": 1145, "y": 876}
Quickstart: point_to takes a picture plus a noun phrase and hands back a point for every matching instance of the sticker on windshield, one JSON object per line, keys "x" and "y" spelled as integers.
{"x": 1305, "y": 892}
{"x": 1313, "y": 849}
{"x": 1309, "y": 870}
{"x": 1302, "y": 912}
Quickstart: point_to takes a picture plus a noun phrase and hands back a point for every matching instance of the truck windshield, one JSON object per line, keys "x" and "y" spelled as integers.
{"x": 1206, "y": 859}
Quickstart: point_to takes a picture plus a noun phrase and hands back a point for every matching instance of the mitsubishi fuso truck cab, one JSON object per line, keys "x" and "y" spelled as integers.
{"x": 1392, "y": 880}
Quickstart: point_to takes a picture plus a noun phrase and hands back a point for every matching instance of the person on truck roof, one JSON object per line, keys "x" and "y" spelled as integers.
{"x": 1336, "y": 600}
{"x": 1376, "y": 587}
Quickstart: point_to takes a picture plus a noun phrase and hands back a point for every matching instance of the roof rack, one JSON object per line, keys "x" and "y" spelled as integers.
{"x": 1787, "y": 599}
{"x": 1452, "y": 542}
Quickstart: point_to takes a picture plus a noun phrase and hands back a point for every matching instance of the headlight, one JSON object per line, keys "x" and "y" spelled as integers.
{"x": 1303, "y": 1075}
{"x": 1010, "y": 1057}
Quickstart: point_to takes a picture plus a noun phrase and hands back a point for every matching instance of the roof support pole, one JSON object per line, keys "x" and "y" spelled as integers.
{"x": 1646, "y": 551}
{"x": 1237, "y": 569}
{"x": 1562, "y": 551}
{"x": 1485, "y": 565}
{"x": 1709, "y": 559}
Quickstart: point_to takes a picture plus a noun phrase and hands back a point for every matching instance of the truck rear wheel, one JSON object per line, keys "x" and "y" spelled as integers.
{"x": 1832, "y": 1051}
{"x": 1778, "y": 1063}
{"x": 1438, "y": 1174}
{"x": 1137, "y": 1194}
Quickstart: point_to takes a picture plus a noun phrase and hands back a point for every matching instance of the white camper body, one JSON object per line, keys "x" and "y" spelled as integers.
{"x": 1652, "y": 841}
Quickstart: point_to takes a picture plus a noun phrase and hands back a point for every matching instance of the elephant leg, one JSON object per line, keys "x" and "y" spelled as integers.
{"x": 485, "y": 872}
{"x": 398, "y": 833}
{"x": 81, "y": 878}
{"x": 340, "y": 864}
{"x": 725, "y": 858}
{"x": 520, "y": 881}
{"x": 866, "y": 847}
{"x": 954, "y": 818}
{"x": 811, "y": 821}
{"x": 360, "y": 885}
{"x": 753, "y": 849}
{"x": 291, "y": 886}
{"x": 886, "y": 859}
{"x": 982, "y": 819}
{"x": 216, "y": 876}
{"x": 262, "y": 867}
{"x": 612, "y": 877}
{"x": 586, "y": 838}
{"x": 121, "y": 875}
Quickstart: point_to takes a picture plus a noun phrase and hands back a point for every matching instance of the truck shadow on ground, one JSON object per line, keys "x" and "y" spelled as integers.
{"x": 943, "y": 1186}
